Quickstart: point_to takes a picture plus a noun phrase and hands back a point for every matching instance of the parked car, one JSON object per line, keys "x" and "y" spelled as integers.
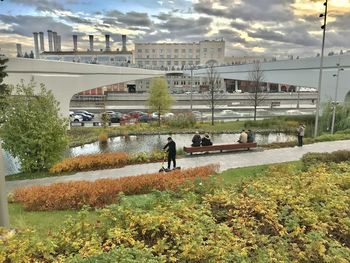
{"x": 109, "y": 112}
{"x": 84, "y": 116}
{"x": 116, "y": 117}
{"x": 146, "y": 118}
{"x": 85, "y": 112}
{"x": 136, "y": 114}
{"x": 74, "y": 117}
{"x": 165, "y": 115}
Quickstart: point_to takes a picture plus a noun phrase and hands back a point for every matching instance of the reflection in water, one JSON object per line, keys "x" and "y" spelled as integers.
{"x": 148, "y": 143}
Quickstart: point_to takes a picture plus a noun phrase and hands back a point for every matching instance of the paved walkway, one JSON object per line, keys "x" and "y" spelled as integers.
{"x": 225, "y": 160}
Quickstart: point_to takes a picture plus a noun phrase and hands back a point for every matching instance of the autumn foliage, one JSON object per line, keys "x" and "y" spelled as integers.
{"x": 74, "y": 195}
{"x": 91, "y": 162}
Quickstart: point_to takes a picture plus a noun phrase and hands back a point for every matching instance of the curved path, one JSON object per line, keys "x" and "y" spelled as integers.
{"x": 225, "y": 160}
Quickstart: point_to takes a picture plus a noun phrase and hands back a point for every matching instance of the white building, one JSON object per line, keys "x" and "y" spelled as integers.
{"x": 178, "y": 56}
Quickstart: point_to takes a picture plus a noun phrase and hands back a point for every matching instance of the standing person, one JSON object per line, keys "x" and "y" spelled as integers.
{"x": 171, "y": 145}
{"x": 206, "y": 141}
{"x": 300, "y": 133}
{"x": 251, "y": 137}
{"x": 243, "y": 137}
{"x": 196, "y": 140}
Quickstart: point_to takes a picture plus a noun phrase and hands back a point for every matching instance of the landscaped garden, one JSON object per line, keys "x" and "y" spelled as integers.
{"x": 293, "y": 212}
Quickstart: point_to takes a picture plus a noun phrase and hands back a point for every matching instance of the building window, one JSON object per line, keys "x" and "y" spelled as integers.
{"x": 161, "y": 50}
{"x": 183, "y": 50}
{"x": 176, "y": 50}
{"x": 197, "y": 62}
{"x": 190, "y": 50}
{"x": 146, "y": 50}
{"x": 197, "y": 50}
{"x": 169, "y": 63}
{"x": 147, "y": 56}
{"x": 219, "y": 49}
{"x": 153, "y": 51}
{"x": 190, "y": 62}
{"x": 161, "y": 56}
{"x": 139, "y": 51}
{"x": 146, "y": 62}
{"x": 176, "y": 63}
{"x": 183, "y": 63}
{"x": 205, "y": 49}
{"x": 168, "y": 56}
{"x": 154, "y": 63}
{"x": 175, "y": 56}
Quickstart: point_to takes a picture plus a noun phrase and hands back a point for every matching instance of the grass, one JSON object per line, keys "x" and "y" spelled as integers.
{"x": 27, "y": 175}
{"x": 44, "y": 222}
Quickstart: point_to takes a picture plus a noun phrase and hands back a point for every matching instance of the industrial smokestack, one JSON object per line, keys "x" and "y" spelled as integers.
{"x": 124, "y": 43}
{"x": 41, "y": 38}
{"x": 58, "y": 43}
{"x": 54, "y": 34}
{"x": 36, "y": 45}
{"x": 49, "y": 34}
{"x": 75, "y": 43}
{"x": 19, "y": 50}
{"x": 108, "y": 48}
{"x": 91, "y": 40}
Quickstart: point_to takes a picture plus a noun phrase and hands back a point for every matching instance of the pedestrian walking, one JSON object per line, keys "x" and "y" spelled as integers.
{"x": 300, "y": 134}
{"x": 170, "y": 147}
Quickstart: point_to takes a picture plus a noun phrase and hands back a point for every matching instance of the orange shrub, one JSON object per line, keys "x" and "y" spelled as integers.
{"x": 91, "y": 162}
{"x": 74, "y": 195}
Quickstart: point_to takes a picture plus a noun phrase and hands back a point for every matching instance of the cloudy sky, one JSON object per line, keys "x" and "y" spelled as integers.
{"x": 250, "y": 27}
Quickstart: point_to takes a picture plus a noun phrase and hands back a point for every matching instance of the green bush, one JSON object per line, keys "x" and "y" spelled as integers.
{"x": 122, "y": 255}
{"x": 181, "y": 120}
{"x": 313, "y": 159}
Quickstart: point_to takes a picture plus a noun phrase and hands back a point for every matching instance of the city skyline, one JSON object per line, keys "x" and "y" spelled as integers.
{"x": 265, "y": 28}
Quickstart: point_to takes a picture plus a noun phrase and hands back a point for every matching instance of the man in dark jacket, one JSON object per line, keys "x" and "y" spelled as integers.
{"x": 171, "y": 145}
{"x": 196, "y": 140}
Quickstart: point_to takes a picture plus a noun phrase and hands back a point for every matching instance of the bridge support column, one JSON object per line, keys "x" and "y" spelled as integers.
{"x": 236, "y": 85}
{"x": 279, "y": 87}
{"x": 268, "y": 86}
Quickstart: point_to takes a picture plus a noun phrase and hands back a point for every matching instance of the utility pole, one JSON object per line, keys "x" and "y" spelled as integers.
{"x": 335, "y": 96}
{"x": 321, "y": 68}
{"x": 191, "y": 86}
{"x": 4, "y": 213}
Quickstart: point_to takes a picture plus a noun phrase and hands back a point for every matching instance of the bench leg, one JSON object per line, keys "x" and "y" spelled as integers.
{"x": 221, "y": 151}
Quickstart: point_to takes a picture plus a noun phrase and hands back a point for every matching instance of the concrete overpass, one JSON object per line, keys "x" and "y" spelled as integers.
{"x": 67, "y": 78}
{"x": 298, "y": 72}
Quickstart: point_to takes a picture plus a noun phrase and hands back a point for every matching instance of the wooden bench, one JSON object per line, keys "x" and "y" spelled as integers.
{"x": 220, "y": 147}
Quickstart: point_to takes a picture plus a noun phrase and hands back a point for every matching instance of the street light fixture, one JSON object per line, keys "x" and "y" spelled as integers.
{"x": 335, "y": 96}
{"x": 321, "y": 68}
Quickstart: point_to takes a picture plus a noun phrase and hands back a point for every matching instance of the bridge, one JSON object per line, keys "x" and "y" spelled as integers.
{"x": 298, "y": 72}
{"x": 67, "y": 78}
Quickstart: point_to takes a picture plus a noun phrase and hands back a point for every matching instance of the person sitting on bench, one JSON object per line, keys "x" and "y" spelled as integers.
{"x": 196, "y": 140}
{"x": 251, "y": 136}
{"x": 243, "y": 137}
{"x": 206, "y": 141}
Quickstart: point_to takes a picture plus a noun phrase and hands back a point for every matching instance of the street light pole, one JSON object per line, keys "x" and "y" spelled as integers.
{"x": 4, "y": 213}
{"x": 191, "y": 86}
{"x": 335, "y": 96}
{"x": 321, "y": 68}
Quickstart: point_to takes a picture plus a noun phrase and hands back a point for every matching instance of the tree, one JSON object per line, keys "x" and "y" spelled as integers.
{"x": 213, "y": 96}
{"x": 4, "y": 89}
{"x": 32, "y": 130}
{"x": 257, "y": 96}
{"x": 159, "y": 99}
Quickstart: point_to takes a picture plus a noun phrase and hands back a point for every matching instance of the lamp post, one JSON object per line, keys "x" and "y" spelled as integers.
{"x": 4, "y": 213}
{"x": 321, "y": 68}
{"x": 335, "y": 96}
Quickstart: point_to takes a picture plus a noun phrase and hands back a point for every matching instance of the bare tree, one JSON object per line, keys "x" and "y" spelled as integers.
{"x": 213, "y": 95}
{"x": 257, "y": 95}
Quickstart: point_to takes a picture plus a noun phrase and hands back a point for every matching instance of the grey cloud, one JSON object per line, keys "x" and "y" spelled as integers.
{"x": 239, "y": 26}
{"x": 130, "y": 18}
{"x": 78, "y": 20}
{"x": 42, "y": 5}
{"x": 231, "y": 36}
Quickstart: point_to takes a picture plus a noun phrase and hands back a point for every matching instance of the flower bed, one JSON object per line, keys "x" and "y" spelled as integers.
{"x": 74, "y": 195}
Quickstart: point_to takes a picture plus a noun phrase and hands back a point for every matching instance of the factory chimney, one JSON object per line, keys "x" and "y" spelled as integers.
{"x": 75, "y": 43}
{"x": 41, "y": 38}
{"x": 108, "y": 47}
{"x": 91, "y": 40}
{"x": 49, "y": 33}
{"x": 124, "y": 43}
{"x": 58, "y": 43}
{"x": 36, "y": 45}
{"x": 19, "y": 50}
{"x": 54, "y": 34}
